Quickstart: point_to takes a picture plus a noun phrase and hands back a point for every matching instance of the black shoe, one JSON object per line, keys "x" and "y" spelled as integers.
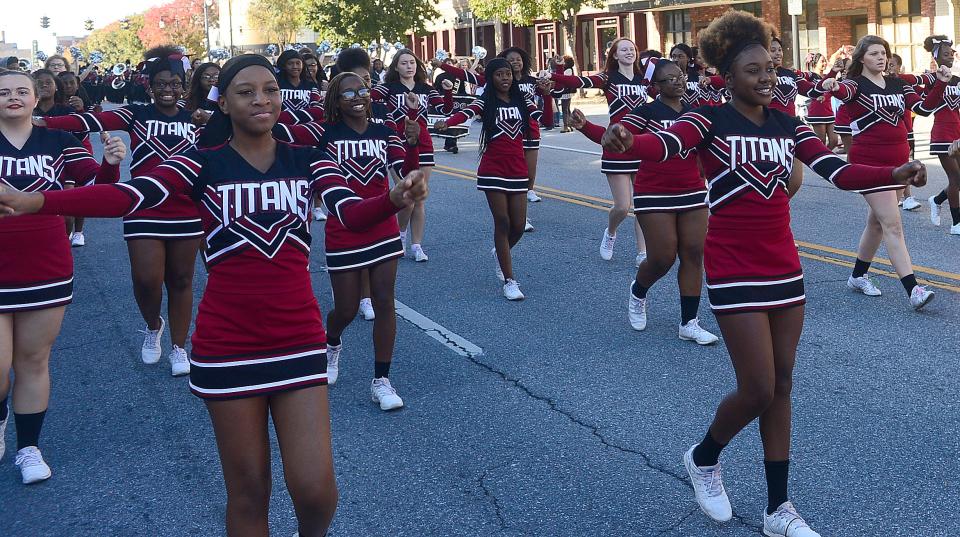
{"x": 453, "y": 149}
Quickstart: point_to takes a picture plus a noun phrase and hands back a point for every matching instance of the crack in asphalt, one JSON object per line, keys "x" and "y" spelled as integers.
{"x": 497, "y": 508}
{"x": 678, "y": 523}
{"x": 450, "y": 342}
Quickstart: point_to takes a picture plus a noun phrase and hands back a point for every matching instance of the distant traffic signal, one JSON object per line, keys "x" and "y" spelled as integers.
{"x": 88, "y": 25}
{"x": 44, "y": 22}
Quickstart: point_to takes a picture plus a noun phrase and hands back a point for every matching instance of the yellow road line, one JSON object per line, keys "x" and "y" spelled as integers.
{"x": 604, "y": 205}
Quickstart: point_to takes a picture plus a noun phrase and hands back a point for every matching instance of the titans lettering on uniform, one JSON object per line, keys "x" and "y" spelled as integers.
{"x": 39, "y": 166}
{"x": 244, "y": 199}
{"x": 299, "y": 97}
{"x": 946, "y": 121}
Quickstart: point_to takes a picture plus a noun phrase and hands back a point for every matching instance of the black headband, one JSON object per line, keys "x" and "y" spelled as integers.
{"x": 218, "y": 128}
{"x": 732, "y": 54}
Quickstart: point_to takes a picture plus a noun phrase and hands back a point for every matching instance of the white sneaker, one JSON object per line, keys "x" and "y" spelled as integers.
{"x": 3, "y": 431}
{"x": 403, "y": 242}
{"x": 934, "y": 211}
{"x": 32, "y": 467}
{"x": 511, "y": 290}
{"x": 911, "y": 204}
{"x": 150, "y": 351}
{"x": 693, "y": 332}
{"x": 955, "y": 229}
{"x": 533, "y": 197}
{"x": 920, "y": 297}
{"x": 179, "y": 363}
{"x": 636, "y": 310}
{"x": 366, "y": 309}
{"x": 863, "y": 284}
{"x": 528, "y": 227}
{"x": 708, "y": 488}
{"x": 383, "y": 393}
{"x": 333, "y": 362}
{"x": 606, "y": 245}
{"x": 418, "y": 254}
{"x": 786, "y": 522}
{"x": 496, "y": 263}
{"x": 77, "y": 240}
{"x": 641, "y": 257}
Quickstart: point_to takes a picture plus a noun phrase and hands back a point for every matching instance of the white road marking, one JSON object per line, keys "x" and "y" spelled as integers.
{"x": 452, "y": 341}
{"x": 570, "y": 149}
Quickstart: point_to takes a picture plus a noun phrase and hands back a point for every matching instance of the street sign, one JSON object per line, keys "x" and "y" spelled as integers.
{"x": 794, "y": 7}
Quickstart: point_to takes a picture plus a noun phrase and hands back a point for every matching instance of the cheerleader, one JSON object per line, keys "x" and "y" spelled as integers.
{"x": 407, "y": 74}
{"x": 946, "y": 129}
{"x": 669, "y": 201}
{"x": 682, "y": 55}
{"x": 36, "y": 282}
{"x": 820, "y": 108}
{"x": 507, "y": 116}
{"x": 625, "y": 85}
{"x": 754, "y": 277}
{"x": 259, "y": 345}
{"x": 203, "y": 79}
{"x": 298, "y": 91}
{"x": 162, "y": 241}
{"x": 877, "y": 107}
{"x": 76, "y": 98}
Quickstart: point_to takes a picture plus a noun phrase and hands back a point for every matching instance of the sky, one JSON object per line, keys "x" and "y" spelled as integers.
{"x": 22, "y": 25}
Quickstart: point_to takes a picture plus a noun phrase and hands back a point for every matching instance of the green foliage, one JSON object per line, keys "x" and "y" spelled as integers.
{"x": 277, "y": 20}
{"x": 343, "y": 22}
{"x": 116, "y": 44}
{"x": 523, "y": 12}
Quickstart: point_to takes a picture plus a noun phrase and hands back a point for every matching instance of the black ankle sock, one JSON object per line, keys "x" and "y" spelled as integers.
{"x": 28, "y": 428}
{"x": 381, "y": 370}
{"x": 776, "y": 472}
{"x": 707, "y": 452}
{"x": 638, "y": 290}
{"x": 955, "y": 214}
{"x": 940, "y": 198}
{"x": 335, "y": 341}
{"x": 4, "y": 410}
{"x": 860, "y": 268}
{"x": 909, "y": 282}
{"x": 688, "y": 308}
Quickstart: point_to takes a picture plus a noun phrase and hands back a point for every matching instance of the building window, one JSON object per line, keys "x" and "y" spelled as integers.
{"x": 676, "y": 28}
{"x": 902, "y": 25}
{"x": 808, "y": 27}
{"x": 754, "y": 8}
{"x": 588, "y": 40}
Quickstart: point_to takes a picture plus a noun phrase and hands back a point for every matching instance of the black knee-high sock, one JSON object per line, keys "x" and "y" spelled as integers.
{"x": 4, "y": 410}
{"x": 381, "y": 370}
{"x": 776, "y": 472}
{"x": 688, "y": 308}
{"x": 707, "y": 452}
{"x": 28, "y": 428}
{"x": 955, "y": 214}
{"x": 638, "y": 290}
{"x": 335, "y": 341}
{"x": 860, "y": 267}
{"x": 940, "y": 198}
{"x": 909, "y": 282}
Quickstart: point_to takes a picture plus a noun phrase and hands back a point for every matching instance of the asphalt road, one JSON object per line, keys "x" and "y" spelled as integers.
{"x": 549, "y": 417}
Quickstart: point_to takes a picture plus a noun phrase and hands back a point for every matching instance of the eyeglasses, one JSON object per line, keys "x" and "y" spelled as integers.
{"x": 210, "y": 77}
{"x": 175, "y": 85}
{"x": 673, "y": 79}
{"x": 351, "y": 94}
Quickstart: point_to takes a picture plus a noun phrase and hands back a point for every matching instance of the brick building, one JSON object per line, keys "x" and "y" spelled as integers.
{"x": 824, "y": 26}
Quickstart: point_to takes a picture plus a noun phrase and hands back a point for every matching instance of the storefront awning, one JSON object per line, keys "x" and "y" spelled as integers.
{"x": 619, "y": 6}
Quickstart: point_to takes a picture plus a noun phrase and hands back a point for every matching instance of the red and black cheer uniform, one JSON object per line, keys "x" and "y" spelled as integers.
{"x": 671, "y": 186}
{"x": 750, "y": 259}
{"x": 790, "y": 83}
{"x": 623, "y": 95}
{"x": 841, "y": 124}
{"x": 65, "y": 110}
{"x": 393, "y": 96}
{"x": 36, "y": 266}
{"x": 946, "y": 113}
{"x": 258, "y": 327}
{"x": 365, "y": 159}
{"x": 154, "y": 137}
{"x": 528, "y": 85}
{"x": 877, "y": 119}
{"x": 695, "y": 96}
{"x": 503, "y": 166}
{"x": 299, "y": 97}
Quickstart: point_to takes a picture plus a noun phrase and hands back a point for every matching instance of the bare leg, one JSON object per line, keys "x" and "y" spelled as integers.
{"x": 34, "y": 333}
{"x": 418, "y": 218}
{"x": 884, "y": 215}
{"x": 147, "y": 262}
{"x": 181, "y": 259}
{"x": 785, "y": 327}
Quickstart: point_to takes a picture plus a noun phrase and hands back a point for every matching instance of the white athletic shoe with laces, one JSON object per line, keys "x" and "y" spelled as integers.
{"x": 786, "y": 522}
{"x": 636, "y": 310}
{"x": 640, "y": 258}
{"x": 511, "y": 290}
{"x": 911, "y": 204}
{"x": 319, "y": 215}
{"x": 366, "y": 309}
{"x": 150, "y": 351}
{"x": 77, "y": 240}
{"x": 955, "y": 229}
{"x": 693, "y": 332}
{"x": 384, "y": 394}
{"x": 920, "y": 297}
{"x": 863, "y": 284}
{"x": 32, "y": 467}
{"x": 496, "y": 263}
{"x": 418, "y": 255}
{"x": 934, "y": 211}
{"x": 708, "y": 488}
{"x": 528, "y": 227}
{"x": 606, "y": 245}
{"x": 179, "y": 363}
{"x": 532, "y": 196}
{"x": 333, "y": 362}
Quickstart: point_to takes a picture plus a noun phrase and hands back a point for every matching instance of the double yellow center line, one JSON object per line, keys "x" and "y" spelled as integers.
{"x": 827, "y": 254}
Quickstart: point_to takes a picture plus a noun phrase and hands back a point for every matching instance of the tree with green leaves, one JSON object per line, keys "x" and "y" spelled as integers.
{"x": 278, "y": 20}
{"x": 117, "y": 44}
{"x": 343, "y": 22}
